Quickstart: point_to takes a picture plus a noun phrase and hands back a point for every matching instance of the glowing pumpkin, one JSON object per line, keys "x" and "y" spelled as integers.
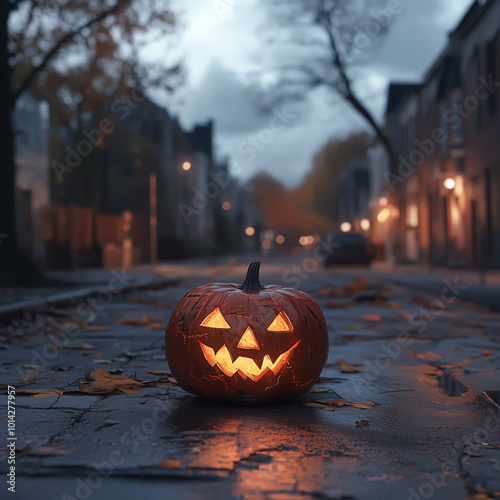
{"x": 246, "y": 343}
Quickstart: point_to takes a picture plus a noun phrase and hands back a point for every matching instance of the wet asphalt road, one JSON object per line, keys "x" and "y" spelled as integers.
{"x": 432, "y": 369}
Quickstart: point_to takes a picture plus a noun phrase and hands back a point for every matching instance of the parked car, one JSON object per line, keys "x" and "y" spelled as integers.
{"x": 349, "y": 248}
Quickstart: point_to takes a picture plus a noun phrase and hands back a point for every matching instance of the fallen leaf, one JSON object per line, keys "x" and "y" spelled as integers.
{"x": 486, "y": 352}
{"x": 157, "y": 372}
{"x": 358, "y": 285}
{"x": 98, "y": 355}
{"x": 105, "y": 383}
{"x": 61, "y": 368}
{"x": 169, "y": 463}
{"x": 346, "y": 367}
{"x": 362, "y": 405}
{"x": 317, "y": 390}
{"x": 141, "y": 366}
{"x": 371, "y": 318}
{"x": 362, "y": 423}
{"x": 421, "y": 301}
{"x": 84, "y": 346}
{"x": 404, "y": 315}
{"x": 144, "y": 321}
{"x": 320, "y": 406}
{"x": 94, "y": 328}
{"x": 337, "y": 403}
{"x": 156, "y": 326}
{"x": 41, "y": 393}
{"x": 29, "y": 378}
{"x": 32, "y": 367}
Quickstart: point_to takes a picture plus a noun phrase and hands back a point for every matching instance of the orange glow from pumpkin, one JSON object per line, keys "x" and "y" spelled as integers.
{"x": 248, "y": 340}
{"x": 281, "y": 323}
{"x": 215, "y": 320}
{"x": 246, "y": 367}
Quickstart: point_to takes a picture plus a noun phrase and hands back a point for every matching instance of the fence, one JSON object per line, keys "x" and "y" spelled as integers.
{"x": 81, "y": 237}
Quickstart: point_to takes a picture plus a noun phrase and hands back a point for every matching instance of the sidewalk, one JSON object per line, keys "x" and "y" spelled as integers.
{"x": 77, "y": 284}
{"x": 434, "y": 281}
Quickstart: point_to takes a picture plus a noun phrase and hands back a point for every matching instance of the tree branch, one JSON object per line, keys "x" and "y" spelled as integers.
{"x": 60, "y": 43}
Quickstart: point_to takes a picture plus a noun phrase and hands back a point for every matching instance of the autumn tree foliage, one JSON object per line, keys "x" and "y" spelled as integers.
{"x": 81, "y": 52}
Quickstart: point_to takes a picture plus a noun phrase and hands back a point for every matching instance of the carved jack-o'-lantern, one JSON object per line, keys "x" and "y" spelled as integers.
{"x": 246, "y": 343}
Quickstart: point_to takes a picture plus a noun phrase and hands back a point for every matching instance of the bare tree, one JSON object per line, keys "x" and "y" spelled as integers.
{"x": 322, "y": 42}
{"x": 56, "y": 37}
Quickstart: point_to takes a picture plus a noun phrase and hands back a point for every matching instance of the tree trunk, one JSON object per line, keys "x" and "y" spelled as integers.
{"x": 15, "y": 268}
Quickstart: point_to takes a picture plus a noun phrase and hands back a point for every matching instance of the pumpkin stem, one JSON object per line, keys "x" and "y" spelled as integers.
{"x": 252, "y": 281}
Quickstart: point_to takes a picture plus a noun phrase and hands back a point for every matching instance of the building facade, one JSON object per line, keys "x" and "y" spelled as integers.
{"x": 446, "y": 135}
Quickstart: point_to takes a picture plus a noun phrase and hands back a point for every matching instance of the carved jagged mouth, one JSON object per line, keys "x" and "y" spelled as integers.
{"x": 246, "y": 367}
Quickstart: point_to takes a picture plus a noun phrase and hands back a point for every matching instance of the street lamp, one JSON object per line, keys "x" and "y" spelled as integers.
{"x": 186, "y": 166}
{"x": 250, "y": 231}
{"x": 226, "y": 206}
{"x": 345, "y": 227}
{"x": 383, "y": 201}
{"x": 365, "y": 224}
{"x": 450, "y": 183}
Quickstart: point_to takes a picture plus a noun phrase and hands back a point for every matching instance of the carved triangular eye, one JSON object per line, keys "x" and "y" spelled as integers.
{"x": 215, "y": 320}
{"x": 281, "y": 323}
{"x": 248, "y": 340}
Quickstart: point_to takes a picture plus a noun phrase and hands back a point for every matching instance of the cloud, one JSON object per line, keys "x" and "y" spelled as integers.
{"x": 221, "y": 95}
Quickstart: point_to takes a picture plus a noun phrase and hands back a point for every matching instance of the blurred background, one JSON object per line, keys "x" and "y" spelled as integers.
{"x": 139, "y": 131}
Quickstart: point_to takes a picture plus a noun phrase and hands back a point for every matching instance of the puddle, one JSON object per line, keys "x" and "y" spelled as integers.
{"x": 450, "y": 386}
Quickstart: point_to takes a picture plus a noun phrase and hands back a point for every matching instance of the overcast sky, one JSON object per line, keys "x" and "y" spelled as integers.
{"x": 222, "y": 47}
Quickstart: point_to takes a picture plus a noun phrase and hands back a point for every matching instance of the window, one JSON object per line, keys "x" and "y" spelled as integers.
{"x": 493, "y": 68}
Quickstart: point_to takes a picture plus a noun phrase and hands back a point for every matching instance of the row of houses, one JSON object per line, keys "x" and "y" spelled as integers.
{"x": 124, "y": 186}
{"x": 438, "y": 201}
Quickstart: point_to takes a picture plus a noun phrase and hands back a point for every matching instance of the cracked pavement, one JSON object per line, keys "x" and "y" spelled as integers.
{"x": 431, "y": 364}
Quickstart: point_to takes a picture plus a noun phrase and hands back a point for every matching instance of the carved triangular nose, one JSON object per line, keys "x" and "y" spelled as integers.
{"x": 248, "y": 340}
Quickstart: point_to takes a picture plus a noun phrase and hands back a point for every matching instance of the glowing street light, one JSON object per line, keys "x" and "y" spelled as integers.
{"x": 186, "y": 166}
{"x": 280, "y": 239}
{"x": 383, "y": 201}
{"x": 384, "y": 215}
{"x": 226, "y": 206}
{"x": 266, "y": 244}
{"x": 365, "y": 224}
{"x": 345, "y": 227}
{"x": 450, "y": 183}
{"x": 250, "y": 231}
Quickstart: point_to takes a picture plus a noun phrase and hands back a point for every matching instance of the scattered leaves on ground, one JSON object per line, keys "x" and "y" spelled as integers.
{"x": 346, "y": 367}
{"x": 169, "y": 463}
{"x": 85, "y": 346}
{"x": 362, "y": 423}
{"x": 332, "y": 404}
{"x": 421, "y": 301}
{"x": 155, "y": 323}
{"x": 371, "y": 318}
{"x": 335, "y": 304}
{"x": 29, "y": 378}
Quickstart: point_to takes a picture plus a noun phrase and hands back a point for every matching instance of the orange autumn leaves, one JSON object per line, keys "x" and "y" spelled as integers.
{"x": 103, "y": 382}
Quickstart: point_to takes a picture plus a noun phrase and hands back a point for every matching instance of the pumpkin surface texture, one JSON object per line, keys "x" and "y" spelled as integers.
{"x": 247, "y": 343}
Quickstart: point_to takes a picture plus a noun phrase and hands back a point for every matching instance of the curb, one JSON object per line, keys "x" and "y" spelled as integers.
{"x": 63, "y": 299}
